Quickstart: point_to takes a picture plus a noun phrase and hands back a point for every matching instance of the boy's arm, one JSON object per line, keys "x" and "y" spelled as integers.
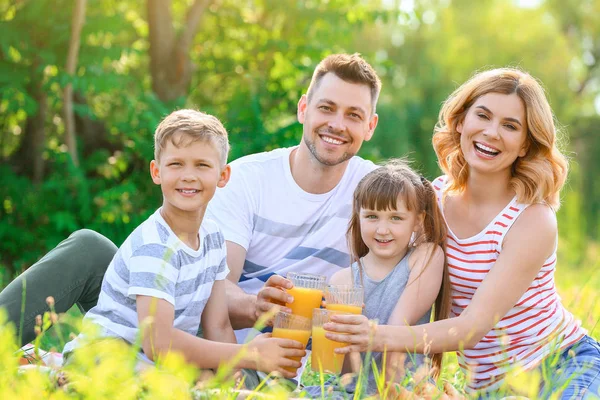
{"x": 155, "y": 317}
{"x": 215, "y": 318}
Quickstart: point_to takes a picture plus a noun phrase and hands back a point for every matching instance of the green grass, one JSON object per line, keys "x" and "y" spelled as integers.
{"x": 578, "y": 285}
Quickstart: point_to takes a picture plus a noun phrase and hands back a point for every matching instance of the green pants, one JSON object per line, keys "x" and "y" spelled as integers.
{"x": 71, "y": 273}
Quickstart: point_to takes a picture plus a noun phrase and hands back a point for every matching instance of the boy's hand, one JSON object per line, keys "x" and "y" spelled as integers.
{"x": 356, "y": 330}
{"x": 271, "y": 354}
{"x": 273, "y": 294}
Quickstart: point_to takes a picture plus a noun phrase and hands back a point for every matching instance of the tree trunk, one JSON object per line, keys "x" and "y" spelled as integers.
{"x": 78, "y": 18}
{"x": 170, "y": 64}
{"x": 28, "y": 159}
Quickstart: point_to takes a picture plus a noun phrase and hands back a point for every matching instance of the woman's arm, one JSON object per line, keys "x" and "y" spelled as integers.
{"x": 527, "y": 245}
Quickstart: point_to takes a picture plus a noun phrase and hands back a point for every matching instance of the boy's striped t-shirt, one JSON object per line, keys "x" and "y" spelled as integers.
{"x": 154, "y": 262}
{"x": 537, "y": 325}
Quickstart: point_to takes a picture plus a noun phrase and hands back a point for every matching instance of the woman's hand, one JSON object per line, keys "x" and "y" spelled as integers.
{"x": 356, "y": 330}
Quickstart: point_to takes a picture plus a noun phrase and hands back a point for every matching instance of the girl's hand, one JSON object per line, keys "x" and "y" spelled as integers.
{"x": 269, "y": 354}
{"x": 356, "y": 330}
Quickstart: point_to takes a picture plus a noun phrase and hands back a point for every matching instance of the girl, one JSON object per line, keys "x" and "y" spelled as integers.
{"x": 496, "y": 143}
{"x": 396, "y": 238}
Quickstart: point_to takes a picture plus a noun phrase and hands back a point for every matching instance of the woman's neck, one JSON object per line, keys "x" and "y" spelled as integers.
{"x": 488, "y": 189}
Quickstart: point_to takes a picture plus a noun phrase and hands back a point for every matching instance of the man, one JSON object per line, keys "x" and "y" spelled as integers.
{"x": 285, "y": 210}
{"x": 288, "y": 209}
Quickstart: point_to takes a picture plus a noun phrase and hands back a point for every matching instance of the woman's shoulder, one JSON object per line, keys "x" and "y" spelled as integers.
{"x": 440, "y": 182}
{"x": 537, "y": 217}
{"x": 537, "y": 220}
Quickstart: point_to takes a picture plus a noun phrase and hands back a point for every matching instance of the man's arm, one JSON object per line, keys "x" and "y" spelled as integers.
{"x": 241, "y": 305}
{"x": 245, "y": 308}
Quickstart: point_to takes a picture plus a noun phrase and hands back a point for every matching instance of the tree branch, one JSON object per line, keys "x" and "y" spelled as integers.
{"x": 194, "y": 14}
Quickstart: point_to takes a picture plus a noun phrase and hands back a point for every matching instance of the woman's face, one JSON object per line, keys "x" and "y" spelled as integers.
{"x": 493, "y": 133}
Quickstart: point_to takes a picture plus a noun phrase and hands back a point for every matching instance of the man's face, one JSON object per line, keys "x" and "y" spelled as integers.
{"x": 337, "y": 119}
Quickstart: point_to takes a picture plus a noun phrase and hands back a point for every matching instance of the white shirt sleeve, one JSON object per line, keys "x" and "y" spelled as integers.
{"x": 232, "y": 207}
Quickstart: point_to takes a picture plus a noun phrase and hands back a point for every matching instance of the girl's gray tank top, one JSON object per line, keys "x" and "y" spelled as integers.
{"x": 380, "y": 299}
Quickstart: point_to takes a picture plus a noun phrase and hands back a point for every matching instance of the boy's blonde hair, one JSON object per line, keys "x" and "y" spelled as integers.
{"x": 194, "y": 126}
{"x": 350, "y": 68}
{"x": 540, "y": 174}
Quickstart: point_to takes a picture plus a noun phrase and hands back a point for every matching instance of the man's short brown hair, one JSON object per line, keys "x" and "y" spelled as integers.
{"x": 194, "y": 126}
{"x": 350, "y": 68}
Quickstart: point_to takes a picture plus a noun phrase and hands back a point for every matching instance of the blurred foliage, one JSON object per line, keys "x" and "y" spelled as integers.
{"x": 251, "y": 61}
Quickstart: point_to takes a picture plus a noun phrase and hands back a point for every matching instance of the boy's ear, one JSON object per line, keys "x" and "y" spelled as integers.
{"x": 155, "y": 172}
{"x": 224, "y": 178}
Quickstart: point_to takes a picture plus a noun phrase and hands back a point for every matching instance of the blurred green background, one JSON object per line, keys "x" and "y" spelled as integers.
{"x": 248, "y": 62}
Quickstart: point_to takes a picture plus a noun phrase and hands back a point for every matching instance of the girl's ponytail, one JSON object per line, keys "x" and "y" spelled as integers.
{"x": 435, "y": 232}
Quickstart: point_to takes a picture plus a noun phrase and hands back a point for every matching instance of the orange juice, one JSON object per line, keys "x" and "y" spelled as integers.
{"x": 305, "y": 300}
{"x": 322, "y": 352}
{"x": 298, "y": 335}
{"x": 346, "y": 308}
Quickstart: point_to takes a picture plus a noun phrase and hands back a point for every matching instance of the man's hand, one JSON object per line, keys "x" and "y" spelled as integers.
{"x": 273, "y": 294}
{"x": 269, "y": 354}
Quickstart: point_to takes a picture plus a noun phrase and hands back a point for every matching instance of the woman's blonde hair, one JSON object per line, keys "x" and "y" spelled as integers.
{"x": 540, "y": 174}
{"x": 380, "y": 190}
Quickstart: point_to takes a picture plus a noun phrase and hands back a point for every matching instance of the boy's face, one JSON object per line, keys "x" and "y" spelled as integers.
{"x": 337, "y": 119}
{"x": 189, "y": 175}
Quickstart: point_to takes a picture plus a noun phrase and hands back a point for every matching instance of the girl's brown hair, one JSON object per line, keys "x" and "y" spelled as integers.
{"x": 380, "y": 190}
{"x": 540, "y": 174}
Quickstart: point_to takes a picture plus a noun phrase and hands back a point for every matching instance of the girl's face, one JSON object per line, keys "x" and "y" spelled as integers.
{"x": 387, "y": 233}
{"x": 494, "y": 133}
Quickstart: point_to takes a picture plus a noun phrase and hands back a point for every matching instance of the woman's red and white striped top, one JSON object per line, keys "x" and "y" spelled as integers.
{"x": 537, "y": 324}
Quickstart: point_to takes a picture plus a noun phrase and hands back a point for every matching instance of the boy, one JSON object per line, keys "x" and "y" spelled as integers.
{"x": 168, "y": 276}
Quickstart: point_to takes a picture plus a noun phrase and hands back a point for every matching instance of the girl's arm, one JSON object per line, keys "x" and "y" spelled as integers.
{"x": 424, "y": 282}
{"x": 527, "y": 245}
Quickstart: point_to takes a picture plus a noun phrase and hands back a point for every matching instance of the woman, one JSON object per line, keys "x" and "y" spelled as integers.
{"x": 496, "y": 143}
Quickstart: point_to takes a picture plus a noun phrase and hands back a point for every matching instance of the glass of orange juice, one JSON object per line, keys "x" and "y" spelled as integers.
{"x": 323, "y": 357}
{"x": 307, "y": 293}
{"x": 345, "y": 298}
{"x": 290, "y": 326}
